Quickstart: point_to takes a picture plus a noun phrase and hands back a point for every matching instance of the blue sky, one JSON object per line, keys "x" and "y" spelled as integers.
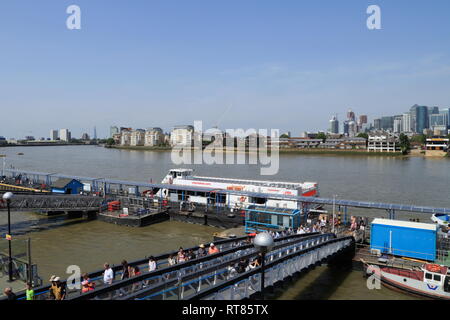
{"x": 286, "y": 64}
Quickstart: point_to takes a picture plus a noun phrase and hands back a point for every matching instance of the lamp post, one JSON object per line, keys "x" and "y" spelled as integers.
{"x": 264, "y": 243}
{"x": 7, "y": 197}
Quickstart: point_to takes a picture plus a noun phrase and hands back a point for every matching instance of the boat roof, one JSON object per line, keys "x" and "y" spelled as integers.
{"x": 274, "y": 184}
{"x": 181, "y": 170}
{"x": 443, "y": 269}
{"x": 405, "y": 224}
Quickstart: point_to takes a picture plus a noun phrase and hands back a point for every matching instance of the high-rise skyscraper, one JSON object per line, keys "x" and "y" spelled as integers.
{"x": 362, "y": 120}
{"x": 64, "y": 135}
{"x": 351, "y": 115}
{"x": 352, "y": 128}
{"x": 412, "y": 111}
{"x": 95, "y": 133}
{"x": 422, "y": 121}
{"x": 346, "y": 128}
{"x": 53, "y": 135}
{"x": 439, "y": 120}
{"x": 387, "y": 123}
{"x": 406, "y": 122}
{"x": 334, "y": 125}
{"x": 377, "y": 124}
{"x": 113, "y": 130}
{"x": 398, "y": 124}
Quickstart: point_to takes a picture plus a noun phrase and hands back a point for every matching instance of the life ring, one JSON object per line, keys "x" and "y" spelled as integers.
{"x": 434, "y": 268}
{"x": 242, "y": 199}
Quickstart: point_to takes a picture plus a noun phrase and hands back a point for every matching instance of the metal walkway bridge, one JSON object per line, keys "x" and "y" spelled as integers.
{"x": 109, "y": 184}
{"x": 215, "y": 276}
{"x": 51, "y": 202}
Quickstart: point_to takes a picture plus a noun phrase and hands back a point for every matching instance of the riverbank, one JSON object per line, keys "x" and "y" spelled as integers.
{"x": 281, "y": 151}
{"x": 140, "y": 148}
{"x": 45, "y": 144}
{"x": 339, "y": 152}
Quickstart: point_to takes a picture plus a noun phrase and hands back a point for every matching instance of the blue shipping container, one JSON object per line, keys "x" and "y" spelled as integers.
{"x": 405, "y": 239}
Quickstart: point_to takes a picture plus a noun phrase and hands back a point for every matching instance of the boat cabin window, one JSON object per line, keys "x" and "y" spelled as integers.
{"x": 437, "y": 277}
{"x": 179, "y": 174}
{"x": 428, "y": 276}
{"x": 447, "y": 284}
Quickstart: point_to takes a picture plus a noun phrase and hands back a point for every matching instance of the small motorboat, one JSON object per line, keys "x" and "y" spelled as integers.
{"x": 441, "y": 219}
{"x": 20, "y": 154}
{"x": 430, "y": 280}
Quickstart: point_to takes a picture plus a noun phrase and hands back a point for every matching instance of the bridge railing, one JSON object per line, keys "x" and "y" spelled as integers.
{"x": 169, "y": 273}
{"x": 41, "y": 293}
{"x": 249, "y": 283}
{"x": 201, "y": 276}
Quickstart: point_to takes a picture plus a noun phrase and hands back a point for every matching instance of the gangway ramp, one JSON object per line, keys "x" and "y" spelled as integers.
{"x": 171, "y": 282}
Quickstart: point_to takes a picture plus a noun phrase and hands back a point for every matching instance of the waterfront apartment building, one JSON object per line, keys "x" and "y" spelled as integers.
{"x": 299, "y": 143}
{"x": 182, "y": 136}
{"x": 117, "y": 138}
{"x": 345, "y": 143}
{"x": 53, "y": 135}
{"x": 125, "y": 138}
{"x": 437, "y": 144}
{"x": 383, "y": 142}
{"x": 137, "y": 137}
{"x": 153, "y": 137}
{"x": 64, "y": 135}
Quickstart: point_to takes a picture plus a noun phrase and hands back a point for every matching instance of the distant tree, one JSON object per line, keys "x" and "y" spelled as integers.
{"x": 405, "y": 145}
{"x": 322, "y": 136}
{"x": 420, "y": 138}
{"x": 110, "y": 142}
{"x": 284, "y": 135}
{"x": 363, "y": 135}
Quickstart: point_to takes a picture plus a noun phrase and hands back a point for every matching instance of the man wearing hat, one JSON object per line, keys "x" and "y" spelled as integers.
{"x": 57, "y": 290}
{"x": 201, "y": 251}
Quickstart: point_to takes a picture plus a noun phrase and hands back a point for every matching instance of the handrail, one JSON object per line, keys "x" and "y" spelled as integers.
{"x": 247, "y": 274}
{"x": 118, "y": 267}
{"x": 129, "y": 281}
{"x": 98, "y": 273}
{"x": 214, "y": 269}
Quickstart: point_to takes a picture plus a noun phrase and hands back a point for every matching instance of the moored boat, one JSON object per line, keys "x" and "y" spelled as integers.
{"x": 214, "y": 185}
{"x": 441, "y": 219}
{"x": 429, "y": 280}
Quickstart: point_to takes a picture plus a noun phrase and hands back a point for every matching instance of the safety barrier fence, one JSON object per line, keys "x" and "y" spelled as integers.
{"x": 169, "y": 276}
{"x": 186, "y": 282}
{"x": 97, "y": 276}
{"x": 54, "y": 202}
{"x": 276, "y": 270}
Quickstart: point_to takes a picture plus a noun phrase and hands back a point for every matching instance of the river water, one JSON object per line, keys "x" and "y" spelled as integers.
{"x": 411, "y": 180}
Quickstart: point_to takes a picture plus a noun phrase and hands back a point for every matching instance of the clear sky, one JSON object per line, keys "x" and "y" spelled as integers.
{"x": 286, "y": 64}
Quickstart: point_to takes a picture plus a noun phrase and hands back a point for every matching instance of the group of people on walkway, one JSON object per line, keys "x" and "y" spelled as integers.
{"x": 183, "y": 256}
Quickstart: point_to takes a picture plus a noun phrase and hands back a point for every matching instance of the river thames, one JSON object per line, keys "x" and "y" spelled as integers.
{"x": 408, "y": 180}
